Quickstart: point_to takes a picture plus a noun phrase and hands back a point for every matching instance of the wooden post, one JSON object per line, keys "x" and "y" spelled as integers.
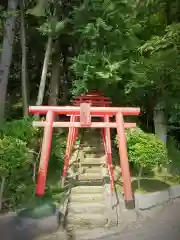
{"x": 128, "y": 196}
{"x": 45, "y": 154}
{"x": 69, "y": 146}
{"x": 85, "y": 115}
{"x": 109, "y": 152}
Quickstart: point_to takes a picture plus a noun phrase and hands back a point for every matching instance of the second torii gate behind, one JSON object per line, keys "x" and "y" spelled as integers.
{"x": 80, "y": 117}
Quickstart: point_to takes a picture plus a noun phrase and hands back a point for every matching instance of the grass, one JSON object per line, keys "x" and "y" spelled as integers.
{"x": 152, "y": 184}
{"x": 149, "y": 185}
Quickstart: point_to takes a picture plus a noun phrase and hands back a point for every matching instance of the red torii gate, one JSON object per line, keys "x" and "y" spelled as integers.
{"x": 91, "y": 105}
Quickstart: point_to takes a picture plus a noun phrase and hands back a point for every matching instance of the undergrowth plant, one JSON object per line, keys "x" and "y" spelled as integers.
{"x": 145, "y": 151}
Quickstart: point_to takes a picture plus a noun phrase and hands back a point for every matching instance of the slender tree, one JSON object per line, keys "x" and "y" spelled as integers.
{"x": 6, "y": 56}
{"x": 24, "y": 60}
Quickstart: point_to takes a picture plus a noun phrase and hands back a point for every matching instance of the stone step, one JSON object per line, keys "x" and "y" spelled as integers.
{"x": 87, "y": 189}
{"x": 89, "y": 162}
{"x": 84, "y": 170}
{"x": 90, "y": 134}
{"x": 94, "y": 159}
{"x": 94, "y": 155}
{"x": 88, "y": 219}
{"x": 90, "y": 176}
{"x": 95, "y": 149}
{"x": 96, "y": 197}
{"x": 89, "y": 138}
{"x": 94, "y": 182}
{"x": 89, "y": 207}
{"x": 87, "y": 233}
{"x": 92, "y": 169}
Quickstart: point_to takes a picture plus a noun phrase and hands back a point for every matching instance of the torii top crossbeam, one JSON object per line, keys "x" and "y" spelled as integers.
{"x": 69, "y": 110}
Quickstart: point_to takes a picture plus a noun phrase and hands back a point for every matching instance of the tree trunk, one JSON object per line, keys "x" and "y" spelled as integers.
{"x": 139, "y": 177}
{"x": 24, "y": 61}
{"x": 44, "y": 72}
{"x": 34, "y": 172}
{"x": 160, "y": 125}
{"x": 6, "y": 56}
{"x": 55, "y": 78}
{"x": 3, "y": 179}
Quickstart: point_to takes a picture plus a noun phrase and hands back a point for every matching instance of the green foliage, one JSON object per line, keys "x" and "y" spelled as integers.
{"x": 40, "y": 8}
{"x": 106, "y": 33}
{"x": 57, "y": 153}
{"x": 22, "y": 130}
{"x": 14, "y": 154}
{"x": 19, "y": 140}
{"x": 145, "y": 150}
{"x": 158, "y": 68}
{"x": 173, "y": 154}
{"x": 15, "y": 164}
{"x": 50, "y": 25}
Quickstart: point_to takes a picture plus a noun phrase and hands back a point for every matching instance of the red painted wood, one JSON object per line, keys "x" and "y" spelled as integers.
{"x": 92, "y": 97}
{"x": 76, "y": 110}
{"x": 97, "y": 115}
{"x": 85, "y": 115}
{"x": 96, "y": 99}
{"x": 81, "y": 117}
{"x": 107, "y": 139}
{"x": 78, "y": 124}
{"x": 124, "y": 163}
{"x": 96, "y": 103}
{"x": 45, "y": 154}
{"x": 72, "y": 135}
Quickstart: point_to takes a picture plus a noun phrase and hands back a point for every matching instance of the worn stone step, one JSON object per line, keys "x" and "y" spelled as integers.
{"x": 94, "y": 155}
{"x": 94, "y": 149}
{"x": 89, "y": 219}
{"x": 87, "y": 233}
{"x": 85, "y": 167}
{"x": 96, "y": 197}
{"x": 94, "y": 159}
{"x": 92, "y": 143}
{"x": 92, "y": 169}
{"x": 87, "y": 207}
{"x": 87, "y": 189}
{"x": 90, "y": 162}
{"x": 93, "y": 182}
{"x": 90, "y": 176}
{"x": 92, "y": 138}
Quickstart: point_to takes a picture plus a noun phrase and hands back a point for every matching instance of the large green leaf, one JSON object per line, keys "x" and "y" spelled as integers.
{"x": 40, "y": 9}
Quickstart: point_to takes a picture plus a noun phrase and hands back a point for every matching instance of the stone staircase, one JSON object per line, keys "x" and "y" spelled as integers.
{"x": 87, "y": 207}
{"x": 92, "y": 211}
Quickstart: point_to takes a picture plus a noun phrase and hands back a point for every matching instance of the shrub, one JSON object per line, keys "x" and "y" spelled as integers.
{"x": 145, "y": 151}
{"x": 23, "y": 130}
{"x": 19, "y": 142}
{"x": 173, "y": 154}
{"x": 15, "y": 163}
